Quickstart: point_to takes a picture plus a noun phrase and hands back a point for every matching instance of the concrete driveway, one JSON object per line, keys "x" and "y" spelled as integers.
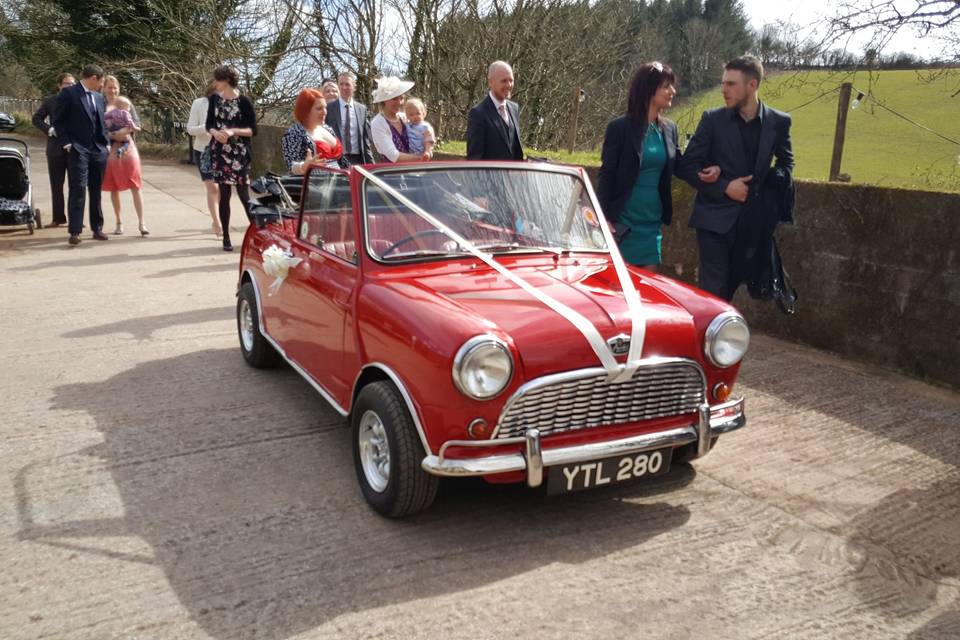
{"x": 154, "y": 486}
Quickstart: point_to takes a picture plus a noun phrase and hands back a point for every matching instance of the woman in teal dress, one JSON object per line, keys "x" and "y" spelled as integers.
{"x": 640, "y": 151}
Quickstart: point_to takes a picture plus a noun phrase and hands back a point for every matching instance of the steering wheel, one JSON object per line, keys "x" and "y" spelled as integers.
{"x": 411, "y": 238}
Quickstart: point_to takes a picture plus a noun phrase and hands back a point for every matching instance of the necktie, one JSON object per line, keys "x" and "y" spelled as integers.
{"x": 91, "y": 106}
{"x": 503, "y": 114}
{"x": 346, "y": 129}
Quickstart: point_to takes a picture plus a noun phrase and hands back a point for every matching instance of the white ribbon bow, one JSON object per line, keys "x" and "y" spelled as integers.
{"x": 277, "y": 263}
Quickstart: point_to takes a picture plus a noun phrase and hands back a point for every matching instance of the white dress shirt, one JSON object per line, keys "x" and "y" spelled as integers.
{"x": 498, "y": 104}
{"x": 197, "y": 124}
{"x": 353, "y": 134}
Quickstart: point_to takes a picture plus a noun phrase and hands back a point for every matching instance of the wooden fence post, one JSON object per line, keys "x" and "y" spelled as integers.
{"x": 840, "y": 131}
{"x": 576, "y": 115}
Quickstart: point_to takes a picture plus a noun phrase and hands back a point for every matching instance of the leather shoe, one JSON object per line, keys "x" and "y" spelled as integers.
{"x": 54, "y": 225}
{"x": 74, "y": 239}
{"x": 100, "y": 235}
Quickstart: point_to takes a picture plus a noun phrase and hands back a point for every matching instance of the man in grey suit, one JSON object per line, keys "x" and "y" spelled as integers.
{"x": 493, "y": 126}
{"x": 742, "y": 138}
{"x": 56, "y": 158}
{"x": 348, "y": 119}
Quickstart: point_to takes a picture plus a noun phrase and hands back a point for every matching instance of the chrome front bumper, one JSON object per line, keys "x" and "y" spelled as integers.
{"x": 711, "y": 421}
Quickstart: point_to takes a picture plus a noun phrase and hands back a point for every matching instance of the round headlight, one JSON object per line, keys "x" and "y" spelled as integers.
{"x": 482, "y": 367}
{"x": 727, "y": 339}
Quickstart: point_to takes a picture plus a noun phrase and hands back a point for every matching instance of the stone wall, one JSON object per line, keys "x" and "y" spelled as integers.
{"x": 877, "y": 271}
{"x": 267, "y": 155}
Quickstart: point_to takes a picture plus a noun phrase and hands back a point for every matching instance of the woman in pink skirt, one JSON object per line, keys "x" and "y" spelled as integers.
{"x": 123, "y": 169}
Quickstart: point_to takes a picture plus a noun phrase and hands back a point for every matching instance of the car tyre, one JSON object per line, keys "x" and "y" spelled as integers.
{"x": 253, "y": 345}
{"x": 395, "y": 484}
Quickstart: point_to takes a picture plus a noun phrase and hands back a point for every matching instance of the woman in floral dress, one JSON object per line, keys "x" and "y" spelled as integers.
{"x": 231, "y": 122}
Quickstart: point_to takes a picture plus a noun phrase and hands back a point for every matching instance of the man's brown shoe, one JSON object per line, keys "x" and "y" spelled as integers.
{"x": 100, "y": 235}
{"x": 74, "y": 239}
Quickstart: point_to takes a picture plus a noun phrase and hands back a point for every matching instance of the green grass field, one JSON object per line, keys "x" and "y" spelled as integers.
{"x": 880, "y": 148}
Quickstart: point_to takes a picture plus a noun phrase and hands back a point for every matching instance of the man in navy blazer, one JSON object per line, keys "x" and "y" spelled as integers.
{"x": 82, "y": 133}
{"x": 742, "y": 138}
{"x": 493, "y": 127}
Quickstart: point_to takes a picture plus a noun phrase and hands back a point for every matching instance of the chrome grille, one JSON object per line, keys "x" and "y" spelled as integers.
{"x": 584, "y": 399}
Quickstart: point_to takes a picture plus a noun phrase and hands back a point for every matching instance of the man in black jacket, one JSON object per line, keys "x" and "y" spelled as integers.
{"x": 742, "y": 139}
{"x": 82, "y": 134}
{"x": 56, "y": 158}
{"x": 493, "y": 127}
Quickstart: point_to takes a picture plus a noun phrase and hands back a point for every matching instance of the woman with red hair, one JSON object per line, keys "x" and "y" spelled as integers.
{"x": 310, "y": 142}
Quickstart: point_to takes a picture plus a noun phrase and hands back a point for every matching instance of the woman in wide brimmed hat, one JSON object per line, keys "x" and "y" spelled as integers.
{"x": 389, "y": 127}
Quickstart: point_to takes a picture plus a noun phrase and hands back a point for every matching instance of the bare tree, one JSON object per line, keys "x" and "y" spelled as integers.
{"x": 880, "y": 20}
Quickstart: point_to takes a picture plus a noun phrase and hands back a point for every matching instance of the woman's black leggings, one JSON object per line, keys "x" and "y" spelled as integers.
{"x": 243, "y": 192}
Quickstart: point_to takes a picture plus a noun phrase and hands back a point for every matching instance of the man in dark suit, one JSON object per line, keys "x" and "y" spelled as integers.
{"x": 82, "y": 133}
{"x": 742, "y": 138}
{"x": 348, "y": 119}
{"x": 56, "y": 158}
{"x": 493, "y": 128}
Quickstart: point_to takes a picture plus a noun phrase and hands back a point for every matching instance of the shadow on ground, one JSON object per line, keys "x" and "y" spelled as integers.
{"x": 96, "y": 259}
{"x": 908, "y": 542}
{"x": 250, "y": 505}
{"x": 143, "y": 328}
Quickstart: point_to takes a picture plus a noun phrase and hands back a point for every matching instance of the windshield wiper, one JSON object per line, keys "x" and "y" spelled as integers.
{"x": 419, "y": 253}
{"x": 507, "y": 247}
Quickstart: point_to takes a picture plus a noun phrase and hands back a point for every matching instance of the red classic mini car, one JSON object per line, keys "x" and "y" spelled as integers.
{"x": 476, "y": 319}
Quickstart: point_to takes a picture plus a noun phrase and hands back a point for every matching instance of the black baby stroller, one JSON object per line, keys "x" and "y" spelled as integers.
{"x": 16, "y": 194}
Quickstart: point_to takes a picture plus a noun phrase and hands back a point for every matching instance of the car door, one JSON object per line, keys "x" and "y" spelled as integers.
{"x": 322, "y": 286}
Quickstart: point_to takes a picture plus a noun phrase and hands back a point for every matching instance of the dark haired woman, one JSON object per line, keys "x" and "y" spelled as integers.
{"x": 640, "y": 151}
{"x": 231, "y": 122}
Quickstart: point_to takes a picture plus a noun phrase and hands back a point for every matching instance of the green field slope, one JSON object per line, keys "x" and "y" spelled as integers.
{"x": 880, "y": 148}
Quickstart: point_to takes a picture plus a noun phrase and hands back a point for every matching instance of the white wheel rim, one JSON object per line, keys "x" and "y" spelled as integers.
{"x": 246, "y": 325}
{"x": 374, "y": 451}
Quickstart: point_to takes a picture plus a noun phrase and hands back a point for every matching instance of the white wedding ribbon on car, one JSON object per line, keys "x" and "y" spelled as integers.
{"x": 276, "y": 264}
{"x": 615, "y": 371}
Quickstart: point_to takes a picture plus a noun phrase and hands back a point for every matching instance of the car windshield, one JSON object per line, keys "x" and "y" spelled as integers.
{"x": 498, "y": 210}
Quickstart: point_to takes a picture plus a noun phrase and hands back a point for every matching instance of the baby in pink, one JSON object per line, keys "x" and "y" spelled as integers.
{"x": 118, "y": 118}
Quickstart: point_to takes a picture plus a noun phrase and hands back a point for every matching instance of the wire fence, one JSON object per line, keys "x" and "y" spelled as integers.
{"x": 159, "y": 125}
{"x": 19, "y": 105}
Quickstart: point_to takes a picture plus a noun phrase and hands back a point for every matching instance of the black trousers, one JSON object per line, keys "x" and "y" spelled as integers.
{"x": 85, "y": 169}
{"x": 717, "y": 262}
{"x": 57, "y": 170}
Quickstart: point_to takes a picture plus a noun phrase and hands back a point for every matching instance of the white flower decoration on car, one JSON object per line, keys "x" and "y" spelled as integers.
{"x": 277, "y": 263}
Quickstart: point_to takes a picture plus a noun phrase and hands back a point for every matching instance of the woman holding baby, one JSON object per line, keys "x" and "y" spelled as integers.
{"x": 123, "y": 163}
{"x": 400, "y": 135}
